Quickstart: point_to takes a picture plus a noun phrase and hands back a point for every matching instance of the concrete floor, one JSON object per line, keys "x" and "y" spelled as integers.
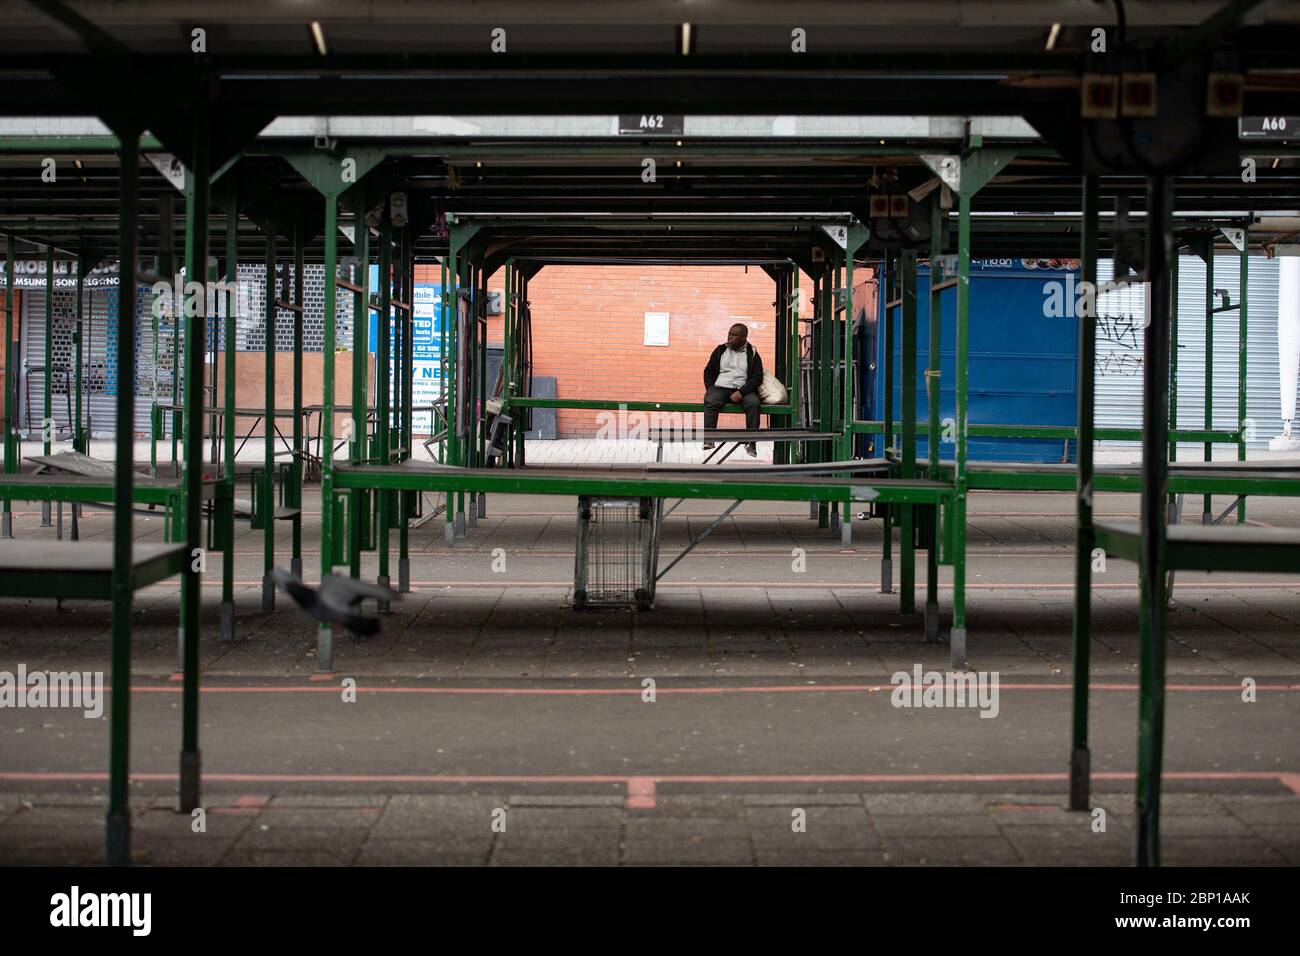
{"x": 494, "y": 725}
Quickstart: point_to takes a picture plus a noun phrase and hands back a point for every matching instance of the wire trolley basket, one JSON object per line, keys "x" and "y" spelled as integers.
{"x": 614, "y": 563}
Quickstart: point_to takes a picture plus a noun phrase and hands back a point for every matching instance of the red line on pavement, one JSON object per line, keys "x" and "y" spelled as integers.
{"x": 640, "y": 793}
{"x": 641, "y": 781}
{"x": 637, "y": 691}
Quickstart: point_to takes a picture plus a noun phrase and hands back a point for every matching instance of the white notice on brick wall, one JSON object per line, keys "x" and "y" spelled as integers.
{"x": 656, "y": 328}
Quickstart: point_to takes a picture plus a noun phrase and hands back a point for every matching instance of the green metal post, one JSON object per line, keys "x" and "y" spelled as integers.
{"x": 228, "y": 420}
{"x": 1242, "y": 369}
{"x": 196, "y": 268}
{"x": 826, "y": 381}
{"x": 509, "y": 341}
{"x": 178, "y": 327}
{"x": 1152, "y": 567}
{"x": 444, "y": 373}
{"x": 906, "y": 543}
{"x": 522, "y": 315}
{"x": 978, "y": 167}
{"x": 796, "y": 359}
{"x": 933, "y": 397}
{"x": 296, "y": 469}
{"x": 957, "y": 640}
{"x": 451, "y": 365}
{"x": 383, "y": 382}
{"x": 80, "y": 441}
{"x": 778, "y": 353}
{"x": 1207, "y": 510}
{"x": 480, "y": 417}
{"x": 325, "y": 634}
{"x": 118, "y": 821}
{"x": 360, "y": 394}
{"x": 834, "y": 350}
{"x": 464, "y": 360}
{"x": 407, "y": 271}
{"x": 268, "y": 420}
{"x": 849, "y": 411}
{"x": 153, "y": 409}
{"x": 826, "y": 372}
{"x": 844, "y": 399}
{"x": 88, "y": 335}
{"x": 507, "y": 344}
{"x": 11, "y": 385}
{"x": 1173, "y": 351}
{"x": 1080, "y": 759}
{"x": 888, "y": 286}
{"x": 47, "y": 421}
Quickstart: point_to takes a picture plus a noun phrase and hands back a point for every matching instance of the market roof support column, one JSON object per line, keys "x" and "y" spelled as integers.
{"x": 196, "y": 269}
{"x": 1080, "y": 760}
{"x": 1152, "y": 567}
{"x": 118, "y": 821}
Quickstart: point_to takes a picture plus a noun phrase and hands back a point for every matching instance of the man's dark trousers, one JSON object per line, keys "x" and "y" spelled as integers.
{"x": 715, "y": 397}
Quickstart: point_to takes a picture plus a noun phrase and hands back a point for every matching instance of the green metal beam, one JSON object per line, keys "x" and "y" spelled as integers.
{"x": 918, "y": 491}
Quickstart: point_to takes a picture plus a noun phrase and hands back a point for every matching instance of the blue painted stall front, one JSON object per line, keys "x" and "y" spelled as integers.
{"x": 1024, "y": 346}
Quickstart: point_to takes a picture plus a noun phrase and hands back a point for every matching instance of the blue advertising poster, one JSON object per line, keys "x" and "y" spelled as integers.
{"x": 426, "y": 346}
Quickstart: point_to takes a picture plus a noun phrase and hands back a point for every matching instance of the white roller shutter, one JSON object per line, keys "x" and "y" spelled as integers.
{"x": 1119, "y": 350}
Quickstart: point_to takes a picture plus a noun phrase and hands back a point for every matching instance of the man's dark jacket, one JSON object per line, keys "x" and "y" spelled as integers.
{"x": 755, "y": 369}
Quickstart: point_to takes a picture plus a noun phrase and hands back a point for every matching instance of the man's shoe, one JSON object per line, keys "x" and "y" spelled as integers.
{"x": 752, "y": 449}
{"x": 708, "y": 445}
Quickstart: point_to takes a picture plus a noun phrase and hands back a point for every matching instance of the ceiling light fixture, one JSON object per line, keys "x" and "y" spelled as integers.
{"x": 318, "y": 38}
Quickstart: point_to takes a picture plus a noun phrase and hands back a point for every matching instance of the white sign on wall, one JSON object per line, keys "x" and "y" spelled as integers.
{"x": 656, "y": 328}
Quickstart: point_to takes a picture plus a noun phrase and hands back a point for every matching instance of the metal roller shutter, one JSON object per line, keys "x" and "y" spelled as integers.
{"x": 1119, "y": 350}
{"x": 99, "y": 353}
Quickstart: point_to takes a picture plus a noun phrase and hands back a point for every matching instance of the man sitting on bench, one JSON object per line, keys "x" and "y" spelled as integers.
{"x": 733, "y": 375}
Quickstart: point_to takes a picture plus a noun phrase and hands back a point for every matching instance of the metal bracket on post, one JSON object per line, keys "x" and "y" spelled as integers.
{"x": 947, "y": 167}
{"x": 1236, "y": 236}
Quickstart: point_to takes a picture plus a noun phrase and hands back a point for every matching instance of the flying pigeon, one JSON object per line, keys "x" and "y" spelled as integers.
{"x": 337, "y": 600}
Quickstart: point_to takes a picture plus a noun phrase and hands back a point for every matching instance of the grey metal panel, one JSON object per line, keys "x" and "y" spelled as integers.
{"x": 544, "y": 419}
{"x": 1119, "y": 350}
{"x": 99, "y": 355}
{"x": 153, "y": 376}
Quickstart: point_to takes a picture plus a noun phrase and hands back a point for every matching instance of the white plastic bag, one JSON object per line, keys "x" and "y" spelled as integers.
{"x": 771, "y": 391}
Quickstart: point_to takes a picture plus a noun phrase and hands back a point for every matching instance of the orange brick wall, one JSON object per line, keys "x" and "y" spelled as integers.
{"x": 589, "y": 324}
